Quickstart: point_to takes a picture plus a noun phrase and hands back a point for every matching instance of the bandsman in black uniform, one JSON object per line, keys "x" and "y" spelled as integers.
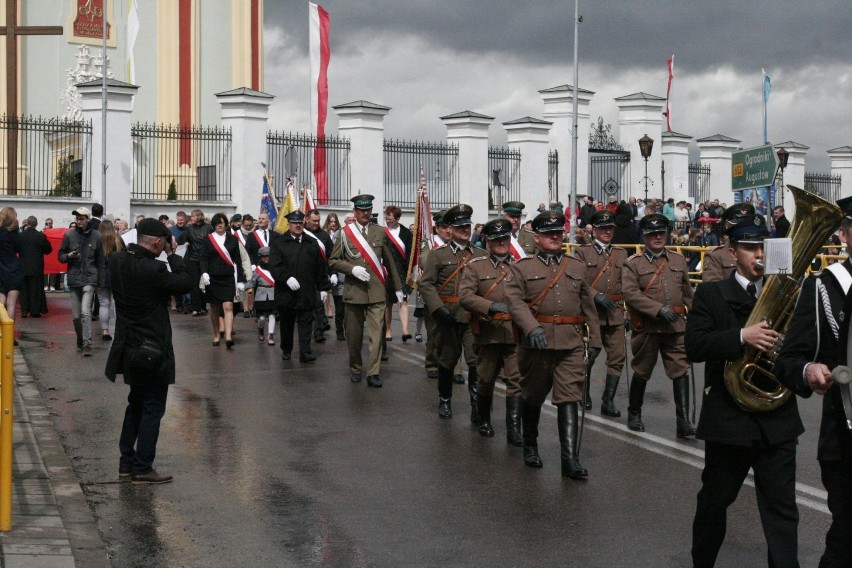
{"x": 439, "y": 286}
{"x": 522, "y": 241}
{"x": 482, "y": 294}
{"x": 603, "y": 275}
{"x": 553, "y": 307}
{"x": 656, "y": 289}
{"x": 736, "y": 440}
{"x": 719, "y": 264}
{"x": 818, "y": 340}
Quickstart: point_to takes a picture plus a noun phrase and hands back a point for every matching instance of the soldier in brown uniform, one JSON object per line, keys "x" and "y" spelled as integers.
{"x": 550, "y": 302}
{"x": 522, "y": 241}
{"x": 656, "y": 289}
{"x": 481, "y": 293}
{"x": 603, "y": 274}
{"x": 441, "y": 235}
{"x": 719, "y": 263}
{"x": 439, "y": 287}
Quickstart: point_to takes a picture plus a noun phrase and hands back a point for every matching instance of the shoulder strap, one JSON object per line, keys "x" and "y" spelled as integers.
{"x": 656, "y": 275}
{"x": 505, "y": 272}
{"x": 609, "y": 262}
{"x": 461, "y": 263}
{"x": 550, "y": 285}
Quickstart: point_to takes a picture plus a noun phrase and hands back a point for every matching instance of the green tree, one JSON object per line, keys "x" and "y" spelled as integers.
{"x": 172, "y": 196}
{"x": 66, "y": 184}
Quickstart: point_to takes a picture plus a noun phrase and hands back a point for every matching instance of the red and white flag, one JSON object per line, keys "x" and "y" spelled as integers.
{"x": 670, "y": 65}
{"x": 308, "y": 203}
{"x": 422, "y": 230}
{"x": 320, "y": 54}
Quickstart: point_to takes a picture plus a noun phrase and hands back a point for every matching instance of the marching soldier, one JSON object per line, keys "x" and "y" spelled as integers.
{"x": 439, "y": 286}
{"x": 719, "y": 263}
{"x": 603, "y": 275}
{"x": 482, "y": 294}
{"x": 441, "y": 236}
{"x": 550, "y": 303}
{"x": 522, "y": 241}
{"x": 656, "y": 289}
{"x": 363, "y": 253}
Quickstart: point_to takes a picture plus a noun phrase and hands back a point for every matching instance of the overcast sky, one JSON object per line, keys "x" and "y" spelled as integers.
{"x": 430, "y": 58}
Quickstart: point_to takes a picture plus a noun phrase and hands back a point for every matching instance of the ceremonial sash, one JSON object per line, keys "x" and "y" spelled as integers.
{"x": 319, "y": 243}
{"x": 357, "y": 239}
{"x": 438, "y": 241}
{"x": 223, "y": 252}
{"x": 516, "y": 250}
{"x": 267, "y": 277}
{"x": 259, "y": 238}
{"x": 239, "y": 234}
{"x": 397, "y": 242}
{"x": 842, "y": 275}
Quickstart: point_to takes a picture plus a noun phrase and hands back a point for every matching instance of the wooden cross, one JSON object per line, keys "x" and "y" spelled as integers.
{"x": 12, "y": 30}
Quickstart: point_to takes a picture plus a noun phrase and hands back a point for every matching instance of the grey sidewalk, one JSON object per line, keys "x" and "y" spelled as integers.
{"x": 52, "y": 525}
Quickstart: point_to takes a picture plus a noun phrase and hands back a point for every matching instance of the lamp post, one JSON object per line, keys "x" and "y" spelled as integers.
{"x": 646, "y": 145}
{"x": 783, "y": 156}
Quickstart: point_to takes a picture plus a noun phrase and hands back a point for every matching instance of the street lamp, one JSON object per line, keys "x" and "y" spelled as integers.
{"x": 646, "y": 145}
{"x": 783, "y": 156}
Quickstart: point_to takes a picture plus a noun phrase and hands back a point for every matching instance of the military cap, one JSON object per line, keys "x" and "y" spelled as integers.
{"x": 749, "y": 230}
{"x": 363, "y": 201}
{"x": 845, "y": 205}
{"x": 496, "y": 229}
{"x": 263, "y": 251}
{"x": 738, "y": 212}
{"x": 603, "y": 218}
{"x": 296, "y": 217}
{"x": 236, "y": 217}
{"x": 438, "y": 218}
{"x": 514, "y": 208}
{"x": 459, "y": 215}
{"x": 654, "y": 223}
{"x": 548, "y": 222}
{"x": 153, "y": 228}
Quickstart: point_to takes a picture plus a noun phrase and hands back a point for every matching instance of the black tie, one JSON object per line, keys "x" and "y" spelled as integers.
{"x": 752, "y": 290}
{"x": 264, "y": 235}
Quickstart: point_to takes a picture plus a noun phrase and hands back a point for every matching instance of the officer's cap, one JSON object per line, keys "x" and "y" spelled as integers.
{"x": 438, "y": 218}
{"x": 738, "y": 212}
{"x": 654, "y": 223}
{"x": 749, "y": 230}
{"x": 548, "y": 222}
{"x": 846, "y": 205}
{"x": 603, "y": 218}
{"x": 363, "y": 201}
{"x": 236, "y": 217}
{"x": 497, "y": 229}
{"x": 514, "y": 208}
{"x": 296, "y": 217}
{"x": 459, "y": 215}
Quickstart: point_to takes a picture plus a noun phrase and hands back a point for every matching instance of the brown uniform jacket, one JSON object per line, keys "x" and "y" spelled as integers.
{"x": 344, "y": 257}
{"x": 603, "y": 274}
{"x": 441, "y": 278}
{"x": 527, "y": 241}
{"x": 671, "y": 288}
{"x": 570, "y": 296}
{"x": 718, "y": 264}
{"x": 478, "y": 278}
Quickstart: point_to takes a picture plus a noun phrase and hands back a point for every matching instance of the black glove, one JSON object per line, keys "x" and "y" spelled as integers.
{"x": 537, "y": 338}
{"x": 605, "y": 301}
{"x": 444, "y": 316}
{"x": 593, "y": 354}
{"x": 498, "y": 308}
{"x": 667, "y": 314}
{"x": 407, "y": 290}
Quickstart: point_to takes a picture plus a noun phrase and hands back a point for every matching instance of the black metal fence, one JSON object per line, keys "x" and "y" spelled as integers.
{"x": 177, "y": 163}
{"x": 403, "y": 162}
{"x": 504, "y": 175}
{"x": 553, "y": 174}
{"x": 826, "y": 186}
{"x": 699, "y": 182}
{"x": 291, "y": 154}
{"x": 54, "y": 157}
{"x": 608, "y": 172}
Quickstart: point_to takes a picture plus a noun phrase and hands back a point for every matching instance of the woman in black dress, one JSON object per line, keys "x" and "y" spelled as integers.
{"x": 11, "y": 269}
{"x": 223, "y": 277}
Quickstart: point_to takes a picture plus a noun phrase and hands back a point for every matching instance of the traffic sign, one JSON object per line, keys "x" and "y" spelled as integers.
{"x": 754, "y": 167}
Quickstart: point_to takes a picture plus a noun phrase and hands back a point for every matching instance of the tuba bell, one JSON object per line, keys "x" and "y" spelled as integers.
{"x": 750, "y": 380}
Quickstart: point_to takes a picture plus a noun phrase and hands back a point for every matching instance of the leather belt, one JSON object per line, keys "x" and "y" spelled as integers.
{"x": 615, "y": 297}
{"x": 679, "y": 309}
{"x": 501, "y": 317}
{"x": 449, "y": 299}
{"x": 559, "y": 320}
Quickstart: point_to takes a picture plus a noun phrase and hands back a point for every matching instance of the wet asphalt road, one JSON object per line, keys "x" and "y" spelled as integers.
{"x": 287, "y": 464}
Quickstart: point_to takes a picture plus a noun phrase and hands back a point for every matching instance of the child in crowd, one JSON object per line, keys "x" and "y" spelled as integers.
{"x": 264, "y": 297}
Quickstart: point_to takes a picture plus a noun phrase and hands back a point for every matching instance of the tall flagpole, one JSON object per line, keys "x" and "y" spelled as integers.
{"x": 104, "y": 109}
{"x": 572, "y": 225}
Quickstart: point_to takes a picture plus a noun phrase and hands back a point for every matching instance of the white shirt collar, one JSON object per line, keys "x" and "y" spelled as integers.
{"x": 744, "y": 282}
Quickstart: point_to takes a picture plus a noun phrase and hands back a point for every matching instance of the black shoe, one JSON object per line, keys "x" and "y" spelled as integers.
{"x": 229, "y": 343}
{"x": 680, "y": 386}
{"x": 458, "y": 379}
{"x": 319, "y": 339}
{"x": 418, "y": 337}
{"x": 354, "y": 377}
{"x": 406, "y": 337}
{"x": 286, "y": 356}
{"x": 634, "y": 408}
{"x": 307, "y": 358}
{"x": 35, "y": 315}
{"x": 374, "y": 381}
{"x": 445, "y": 410}
{"x": 384, "y": 356}
{"x": 530, "y": 416}
{"x": 106, "y": 337}
{"x": 341, "y": 336}
{"x": 513, "y": 421}
{"x": 432, "y": 374}
{"x": 326, "y": 326}
{"x": 389, "y": 339}
{"x": 568, "y": 421}
{"x": 607, "y": 406}
{"x": 486, "y": 430}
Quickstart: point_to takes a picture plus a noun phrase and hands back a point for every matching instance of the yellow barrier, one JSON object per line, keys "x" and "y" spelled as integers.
{"x": 7, "y": 404}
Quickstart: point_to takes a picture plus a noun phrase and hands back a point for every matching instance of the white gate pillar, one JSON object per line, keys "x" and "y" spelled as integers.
{"x": 559, "y": 108}
{"x": 640, "y": 114}
{"x": 841, "y": 165}
{"x": 716, "y": 152}
{"x": 674, "y": 151}
{"x": 469, "y": 130}
{"x": 363, "y": 123}
{"x": 531, "y": 137}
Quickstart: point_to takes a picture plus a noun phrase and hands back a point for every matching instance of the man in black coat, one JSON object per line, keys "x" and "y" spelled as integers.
{"x": 323, "y": 240}
{"x": 816, "y": 342}
{"x": 737, "y": 439}
{"x": 34, "y": 245}
{"x": 782, "y": 225}
{"x": 142, "y": 286}
{"x": 299, "y": 270}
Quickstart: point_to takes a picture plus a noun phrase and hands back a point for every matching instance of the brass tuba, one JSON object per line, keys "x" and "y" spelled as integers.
{"x": 815, "y": 220}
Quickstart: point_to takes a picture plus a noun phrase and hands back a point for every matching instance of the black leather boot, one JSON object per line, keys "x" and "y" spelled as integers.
{"x": 607, "y": 406}
{"x": 472, "y": 380}
{"x": 530, "y": 415}
{"x": 513, "y": 421}
{"x": 445, "y": 392}
{"x": 486, "y": 430}
{"x": 634, "y": 407}
{"x": 569, "y": 427}
{"x": 445, "y": 409}
{"x": 680, "y": 387}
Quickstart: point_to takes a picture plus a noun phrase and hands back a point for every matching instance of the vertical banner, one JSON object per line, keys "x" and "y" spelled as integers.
{"x": 670, "y": 65}
{"x": 267, "y": 202}
{"x": 422, "y": 231}
{"x": 767, "y": 86}
{"x": 132, "y": 32}
{"x": 320, "y": 53}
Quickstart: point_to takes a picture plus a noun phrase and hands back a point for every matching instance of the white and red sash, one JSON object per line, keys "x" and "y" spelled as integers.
{"x": 357, "y": 239}
{"x": 438, "y": 241}
{"x": 259, "y": 238}
{"x": 239, "y": 234}
{"x": 263, "y": 273}
{"x": 223, "y": 252}
{"x": 397, "y": 242}
{"x": 321, "y": 246}
{"x": 516, "y": 250}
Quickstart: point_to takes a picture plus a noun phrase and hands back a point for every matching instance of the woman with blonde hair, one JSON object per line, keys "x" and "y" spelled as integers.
{"x": 112, "y": 243}
{"x": 11, "y": 269}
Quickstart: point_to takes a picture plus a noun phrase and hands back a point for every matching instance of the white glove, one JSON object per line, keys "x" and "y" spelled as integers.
{"x": 253, "y": 266}
{"x": 206, "y": 279}
{"x": 333, "y": 279}
{"x": 293, "y": 284}
{"x": 323, "y": 296}
{"x": 361, "y": 274}
{"x": 399, "y": 296}
{"x": 241, "y": 287}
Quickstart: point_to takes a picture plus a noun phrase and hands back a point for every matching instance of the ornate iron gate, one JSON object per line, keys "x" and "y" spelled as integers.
{"x": 609, "y": 165}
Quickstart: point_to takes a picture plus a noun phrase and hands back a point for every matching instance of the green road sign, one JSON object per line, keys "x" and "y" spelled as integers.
{"x": 754, "y": 167}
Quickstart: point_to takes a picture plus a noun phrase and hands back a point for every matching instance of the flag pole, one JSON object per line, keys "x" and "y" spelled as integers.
{"x": 573, "y": 216}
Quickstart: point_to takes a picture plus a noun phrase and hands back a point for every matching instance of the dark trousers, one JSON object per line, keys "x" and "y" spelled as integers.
{"x": 319, "y": 317}
{"x": 146, "y": 405}
{"x": 837, "y": 479}
{"x": 725, "y": 469}
{"x": 196, "y": 296}
{"x": 33, "y": 298}
{"x": 338, "y": 313}
{"x": 289, "y": 319}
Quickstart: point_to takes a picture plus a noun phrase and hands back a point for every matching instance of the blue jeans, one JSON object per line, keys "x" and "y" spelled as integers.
{"x": 81, "y": 311}
{"x": 146, "y": 405}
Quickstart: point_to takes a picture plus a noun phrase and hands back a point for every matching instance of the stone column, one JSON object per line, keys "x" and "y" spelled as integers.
{"x": 640, "y": 114}
{"x": 531, "y": 137}
{"x": 469, "y": 130}
{"x": 716, "y": 152}
{"x": 245, "y": 112}
{"x": 363, "y": 123}
{"x": 674, "y": 152}
{"x": 794, "y": 174}
{"x": 558, "y": 108}
{"x": 841, "y": 165}
{"x": 115, "y": 197}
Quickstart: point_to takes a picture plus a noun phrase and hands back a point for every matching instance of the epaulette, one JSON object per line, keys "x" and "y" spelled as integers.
{"x": 476, "y": 259}
{"x": 441, "y": 247}
{"x": 525, "y": 230}
{"x": 632, "y": 256}
{"x": 674, "y": 252}
{"x": 614, "y": 247}
{"x": 523, "y": 259}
